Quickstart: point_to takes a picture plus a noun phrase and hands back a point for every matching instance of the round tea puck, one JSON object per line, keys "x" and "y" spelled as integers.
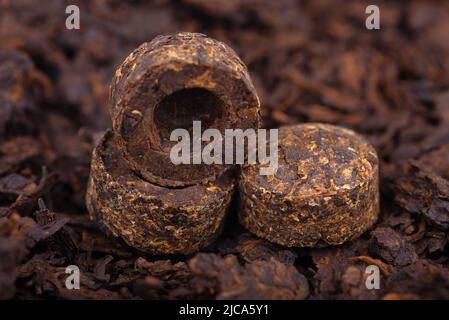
{"x": 167, "y": 84}
{"x": 325, "y": 190}
{"x": 149, "y": 217}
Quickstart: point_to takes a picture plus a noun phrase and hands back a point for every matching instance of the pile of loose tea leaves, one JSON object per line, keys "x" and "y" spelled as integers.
{"x": 310, "y": 61}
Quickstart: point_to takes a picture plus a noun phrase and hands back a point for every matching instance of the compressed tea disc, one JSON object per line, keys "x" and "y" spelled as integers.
{"x": 325, "y": 190}
{"x": 149, "y": 217}
{"x": 167, "y": 84}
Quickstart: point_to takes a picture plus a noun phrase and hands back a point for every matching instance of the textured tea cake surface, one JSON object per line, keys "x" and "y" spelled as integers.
{"x": 324, "y": 192}
{"x": 167, "y": 84}
{"x": 148, "y": 217}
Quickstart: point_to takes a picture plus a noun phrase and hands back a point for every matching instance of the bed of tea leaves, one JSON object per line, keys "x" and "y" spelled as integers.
{"x": 310, "y": 61}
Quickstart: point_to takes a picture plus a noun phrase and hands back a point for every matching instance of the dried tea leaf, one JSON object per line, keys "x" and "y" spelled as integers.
{"x": 260, "y": 279}
{"x": 392, "y": 247}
